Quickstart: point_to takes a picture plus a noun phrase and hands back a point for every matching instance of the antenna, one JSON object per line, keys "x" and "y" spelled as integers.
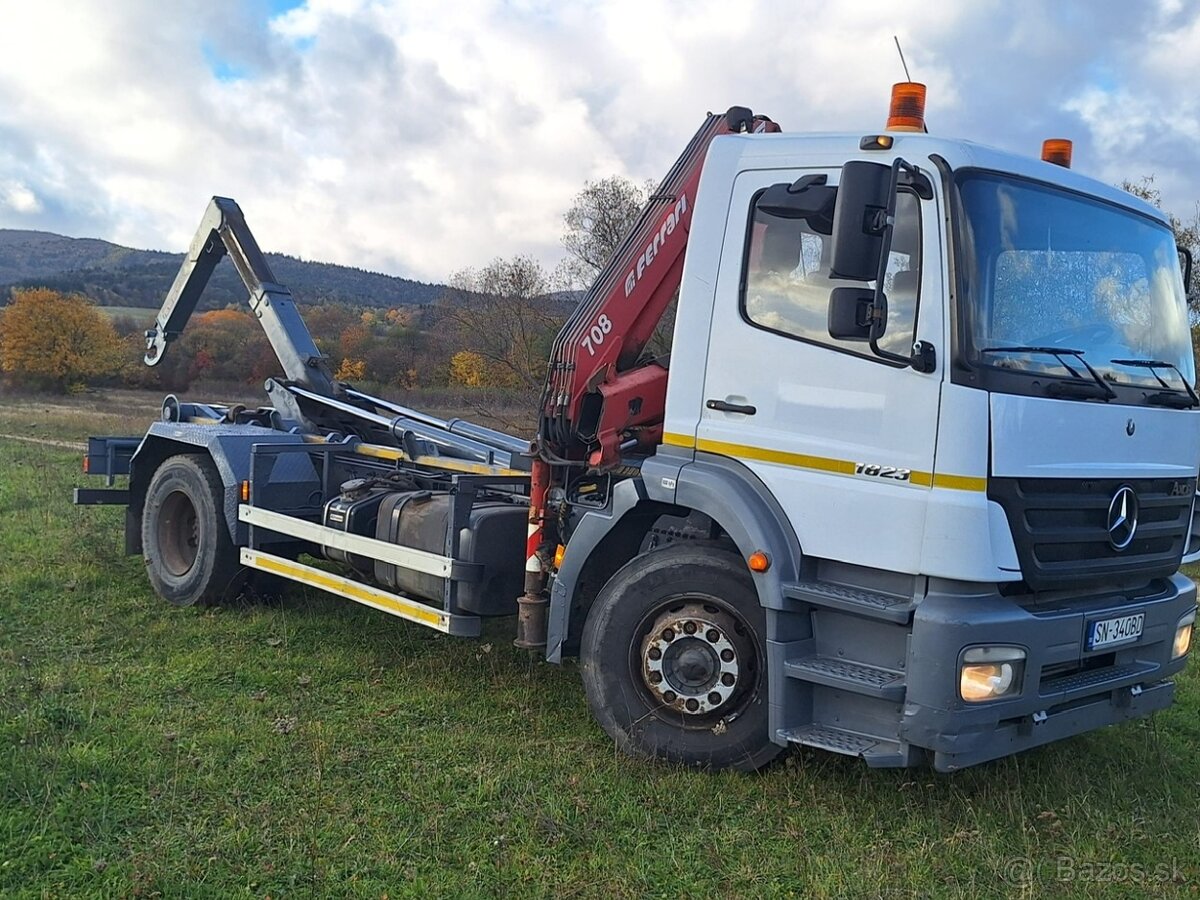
{"x": 907, "y": 77}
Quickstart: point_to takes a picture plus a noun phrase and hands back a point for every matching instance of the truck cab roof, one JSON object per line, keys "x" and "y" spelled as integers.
{"x": 742, "y": 152}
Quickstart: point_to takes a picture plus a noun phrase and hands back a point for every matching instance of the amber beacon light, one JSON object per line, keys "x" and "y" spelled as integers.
{"x": 906, "y": 112}
{"x": 1057, "y": 151}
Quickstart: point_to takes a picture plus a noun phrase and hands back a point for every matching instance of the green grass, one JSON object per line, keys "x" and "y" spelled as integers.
{"x": 70, "y": 419}
{"x": 319, "y": 748}
{"x": 139, "y": 313}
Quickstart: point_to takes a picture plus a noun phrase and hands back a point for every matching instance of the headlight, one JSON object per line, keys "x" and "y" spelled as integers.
{"x": 987, "y": 673}
{"x": 1183, "y": 635}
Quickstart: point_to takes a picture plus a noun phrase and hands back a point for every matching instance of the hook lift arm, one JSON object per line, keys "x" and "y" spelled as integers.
{"x": 309, "y": 396}
{"x": 223, "y": 231}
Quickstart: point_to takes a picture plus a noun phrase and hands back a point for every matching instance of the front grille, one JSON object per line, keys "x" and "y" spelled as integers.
{"x": 1060, "y": 527}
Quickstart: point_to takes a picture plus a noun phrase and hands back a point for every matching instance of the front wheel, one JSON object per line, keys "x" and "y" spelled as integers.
{"x": 673, "y": 660}
{"x": 189, "y": 555}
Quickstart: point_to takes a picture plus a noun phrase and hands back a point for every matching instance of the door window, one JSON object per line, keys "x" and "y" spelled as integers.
{"x": 787, "y": 283}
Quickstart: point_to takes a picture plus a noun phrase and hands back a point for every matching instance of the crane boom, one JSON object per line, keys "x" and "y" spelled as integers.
{"x": 600, "y": 393}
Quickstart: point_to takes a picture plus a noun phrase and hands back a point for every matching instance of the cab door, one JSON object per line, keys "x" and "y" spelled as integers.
{"x": 842, "y": 439}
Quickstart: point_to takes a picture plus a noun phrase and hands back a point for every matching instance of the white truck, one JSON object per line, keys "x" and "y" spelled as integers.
{"x": 914, "y": 485}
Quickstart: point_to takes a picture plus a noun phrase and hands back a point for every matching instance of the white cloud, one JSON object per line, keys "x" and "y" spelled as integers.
{"x": 19, "y": 198}
{"x": 1147, "y": 121}
{"x": 420, "y": 138}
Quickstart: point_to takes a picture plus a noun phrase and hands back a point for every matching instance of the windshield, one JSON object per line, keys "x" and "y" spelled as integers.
{"x": 1045, "y": 268}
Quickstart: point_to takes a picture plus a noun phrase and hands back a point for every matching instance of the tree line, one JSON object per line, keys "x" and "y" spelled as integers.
{"x": 491, "y": 327}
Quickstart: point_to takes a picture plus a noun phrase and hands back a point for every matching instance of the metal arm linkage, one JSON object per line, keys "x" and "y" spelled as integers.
{"x": 222, "y": 231}
{"x": 309, "y": 397}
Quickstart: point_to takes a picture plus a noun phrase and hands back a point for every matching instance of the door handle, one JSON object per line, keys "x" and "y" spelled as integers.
{"x": 721, "y": 406}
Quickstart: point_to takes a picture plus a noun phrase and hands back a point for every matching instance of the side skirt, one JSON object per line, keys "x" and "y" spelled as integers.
{"x": 384, "y": 601}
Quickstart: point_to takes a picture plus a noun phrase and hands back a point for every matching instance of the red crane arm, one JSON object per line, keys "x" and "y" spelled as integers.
{"x": 600, "y": 394}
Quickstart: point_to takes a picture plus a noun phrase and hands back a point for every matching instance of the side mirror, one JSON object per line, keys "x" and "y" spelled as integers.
{"x": 1185, "y": 265}
{"x": 860, "y": 220}
{"x": 855, "y": 313}
{"x": 808, "y": 198}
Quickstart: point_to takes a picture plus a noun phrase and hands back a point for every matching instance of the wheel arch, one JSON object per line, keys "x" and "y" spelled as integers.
{"x": 733, "y": 496}
{"x": 229, "y": 449}
{"x": 725, "y": 491}
{"x": 602, "y": 542}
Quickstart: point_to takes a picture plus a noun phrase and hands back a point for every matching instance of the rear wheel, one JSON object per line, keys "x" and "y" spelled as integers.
{"x": 189, "y": 555}
{"x": 673, "y": 660}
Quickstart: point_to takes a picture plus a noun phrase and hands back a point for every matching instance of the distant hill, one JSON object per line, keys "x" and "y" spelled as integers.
{"x": 112, "y": 275}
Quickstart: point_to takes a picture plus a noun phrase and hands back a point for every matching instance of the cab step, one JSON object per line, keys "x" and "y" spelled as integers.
{"x": 876, "y": 752}
{"x": 858, "y": 601}
{"x": 856, "y": 677}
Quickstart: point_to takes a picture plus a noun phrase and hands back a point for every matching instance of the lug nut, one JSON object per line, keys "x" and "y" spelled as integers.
{"x": 656, "y": 677}
{"x": 670, "y": 696}
{"x": 714, "y": 698}
{"x": 727, "y": 655}
{"x": 693, "y": 705}
{"x": 668, "y": 634}
{"x": 655, "y": 653}
{"x": 728, "y": 680}
{"x": 689, "y": 627}
{"x": 713, "y": 635}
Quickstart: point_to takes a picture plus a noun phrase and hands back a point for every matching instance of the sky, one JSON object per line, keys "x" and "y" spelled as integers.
{"x": 419, "y": 138}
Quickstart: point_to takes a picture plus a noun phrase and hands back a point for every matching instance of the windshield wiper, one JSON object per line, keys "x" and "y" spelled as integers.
{"x": 1172, "y": 397}
{"x": 1097, "y": 391}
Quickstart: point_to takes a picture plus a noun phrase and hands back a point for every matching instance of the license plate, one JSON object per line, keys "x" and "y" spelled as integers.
{"x": 1115, "y": 631}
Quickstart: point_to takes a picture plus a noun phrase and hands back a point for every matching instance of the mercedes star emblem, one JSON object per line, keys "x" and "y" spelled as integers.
{"x": 1122, "y": 517}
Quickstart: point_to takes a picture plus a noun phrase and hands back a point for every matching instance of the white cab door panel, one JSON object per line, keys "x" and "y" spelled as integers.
{"x": 845, "y": 442}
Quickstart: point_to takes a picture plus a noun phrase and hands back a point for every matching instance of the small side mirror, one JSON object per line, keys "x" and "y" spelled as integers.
{"x": 855, "y": 313}
{"x": 1185, "y": 266}
{"x": 808, "y": 198}
{"x": 860, "y": 219}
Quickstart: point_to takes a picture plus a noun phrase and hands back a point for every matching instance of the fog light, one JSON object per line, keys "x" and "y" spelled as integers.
{"x": 990, "y": 672}
{"x": 1183, "y": 635}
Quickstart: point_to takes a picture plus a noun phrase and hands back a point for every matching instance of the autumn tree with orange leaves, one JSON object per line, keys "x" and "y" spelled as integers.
{"x": 55, "y": 341}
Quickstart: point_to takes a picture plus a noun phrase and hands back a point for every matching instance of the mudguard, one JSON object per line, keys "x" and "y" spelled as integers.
{"x": 229, "y": 447}
{"x": 721, "y": 488}
{"x": 728, "y": 492}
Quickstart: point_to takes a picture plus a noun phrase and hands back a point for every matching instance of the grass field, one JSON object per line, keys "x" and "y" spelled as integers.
{"x": 317, "y": 748}
{"x": 138, "y": 313}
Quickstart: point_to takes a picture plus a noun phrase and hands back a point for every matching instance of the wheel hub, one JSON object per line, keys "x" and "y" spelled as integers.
{"x": 178, "y": 534}
{"x": 690, "y": 659}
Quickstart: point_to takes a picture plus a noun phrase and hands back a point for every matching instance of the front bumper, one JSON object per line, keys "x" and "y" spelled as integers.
{"x": 1067, "y": 689}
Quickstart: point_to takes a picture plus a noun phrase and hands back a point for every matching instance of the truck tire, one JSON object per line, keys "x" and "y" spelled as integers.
{"x": 189, "y": 556}
{"x": 673, "y": 659}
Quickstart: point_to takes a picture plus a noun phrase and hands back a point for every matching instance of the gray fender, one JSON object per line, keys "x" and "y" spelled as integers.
{"x": 229, "y": 447}
{"x": 721, "y": 488}
{"x": 728, "y": 492}
{"x": 591, "y": 529}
